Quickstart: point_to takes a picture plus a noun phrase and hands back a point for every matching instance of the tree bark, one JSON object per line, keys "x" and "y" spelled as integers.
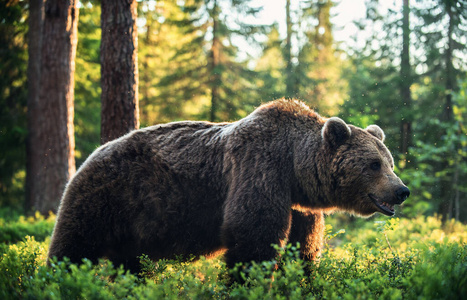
{"x": 53, "y": 135}
{"x": 119, "y": 69}
{"x": 406, "y": 82}
{"x": 288, "y": 54}
{"x": 215, "y": 60}
{"x": 33, "y": 159}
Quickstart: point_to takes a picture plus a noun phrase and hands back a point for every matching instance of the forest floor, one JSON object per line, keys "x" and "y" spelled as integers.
{"x": 380, "y": 258}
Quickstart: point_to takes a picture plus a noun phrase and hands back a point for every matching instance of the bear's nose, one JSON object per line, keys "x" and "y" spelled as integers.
{"x": 402, "y": 193}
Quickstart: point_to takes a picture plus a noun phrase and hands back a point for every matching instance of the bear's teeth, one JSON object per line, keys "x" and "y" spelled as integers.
{"x": 387, "y": 205}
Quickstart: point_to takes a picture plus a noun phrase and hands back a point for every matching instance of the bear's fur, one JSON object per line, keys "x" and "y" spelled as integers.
{"x": 192, "y": 188}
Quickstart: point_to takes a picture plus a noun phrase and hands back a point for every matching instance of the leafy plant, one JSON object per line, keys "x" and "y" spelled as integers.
{"x": 390, "y": 259}
{"x": 17, "y": 230}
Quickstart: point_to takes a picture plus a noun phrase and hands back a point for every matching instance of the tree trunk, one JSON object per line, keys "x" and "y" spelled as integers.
{"x": 449, "y": 67}
{"x": 53, "y": 136}
{"x": 288, "y": 54}
{"x": 119, "y": 69}
{"x": 406, "y": 82}
{"x": 215, "y": 60}
{"x": 33, "y": 159}
{"x": 448, "y": 188}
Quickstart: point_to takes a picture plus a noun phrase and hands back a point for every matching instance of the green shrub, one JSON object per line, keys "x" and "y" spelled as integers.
{"x": 37, "y": 226}
{"x": 70, "y": 281}
{"x": 440, "y": 273}
{"x": 264, "y": 280}
{"x": 387, "y": 259}
{"x": 18, "y": 265}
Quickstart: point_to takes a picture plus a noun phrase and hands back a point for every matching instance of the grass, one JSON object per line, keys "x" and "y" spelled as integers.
{"x": 370, "y": 259}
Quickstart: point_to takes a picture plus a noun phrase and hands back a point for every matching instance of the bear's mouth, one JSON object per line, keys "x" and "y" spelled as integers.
{"x": 384, "y": 207}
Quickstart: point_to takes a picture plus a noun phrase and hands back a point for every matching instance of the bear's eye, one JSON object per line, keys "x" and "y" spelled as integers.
{"x": 375, "y": 166}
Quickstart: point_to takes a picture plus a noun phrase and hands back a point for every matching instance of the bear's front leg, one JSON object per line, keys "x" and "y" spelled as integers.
{"x": 307, "y": 229}
{"x": 251, "y": 226}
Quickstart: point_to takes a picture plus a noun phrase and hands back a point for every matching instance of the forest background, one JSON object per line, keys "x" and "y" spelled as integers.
{"x": 407, "y": 75}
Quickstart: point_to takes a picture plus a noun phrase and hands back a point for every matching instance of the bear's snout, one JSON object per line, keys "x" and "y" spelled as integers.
{"x": 402, "y": 193}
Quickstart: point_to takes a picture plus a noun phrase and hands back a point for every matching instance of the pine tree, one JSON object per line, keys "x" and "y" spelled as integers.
{"x": 87, "y": 82}
{"x": 424, "y": 107}
{"x": 119, "y": 69}
{"x": 271, "y": 83}
{"x": 406, "y": 81}
{"x": 55, "y": 136}
{"x": 163, "y": 57}
{"x": 441, "y": 32}
{"x": 205, "y": 69}
{"x": 290, "y": 82}
{"x": 374, "y": 75}
{"x": 319, "y": 68}
{"x": 33, "y": 158}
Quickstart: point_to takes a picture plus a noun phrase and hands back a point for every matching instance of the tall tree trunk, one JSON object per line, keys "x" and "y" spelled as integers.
{"x": 33, "y": 158}
{"x": 406, "y": 81}
{"x": 215, "y": 60}
{"x": 447, "y": 186}
{"x": 119, "y": 69}
{"x": 449, "y": 66}
{"x": 54, "y": 134}
{"x": 289, "y": 80}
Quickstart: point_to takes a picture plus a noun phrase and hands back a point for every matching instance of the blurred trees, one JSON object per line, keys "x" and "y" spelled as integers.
{"x": 433, "y": 156}
{"x": 196, "y": 39}
{"x": 319, "y": 63}
{"x": 309, "y": 57}
{"x": 442, "y": 30}
{"x": 195, "y": 61}
{"x": 13, "y": 98}
{"x": 405, "y": 81}
{"x": 290, "y": 88}
{"x": 270, "y": 67}
{"x": 87, "y": 82}
{"x": 209, "y": 52}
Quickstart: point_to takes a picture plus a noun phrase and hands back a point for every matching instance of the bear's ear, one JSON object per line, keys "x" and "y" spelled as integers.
{"x": 335, "y": 132}
{"x": 376, "y": 131}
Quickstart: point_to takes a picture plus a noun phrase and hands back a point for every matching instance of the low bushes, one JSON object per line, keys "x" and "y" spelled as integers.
{"x": 396, "y": 259}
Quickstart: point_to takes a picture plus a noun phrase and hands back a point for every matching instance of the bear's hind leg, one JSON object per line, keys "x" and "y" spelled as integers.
{"x": 73, "y": 246}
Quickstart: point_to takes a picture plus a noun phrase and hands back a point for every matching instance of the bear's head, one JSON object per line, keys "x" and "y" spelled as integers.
{"x": 361, "y": 169}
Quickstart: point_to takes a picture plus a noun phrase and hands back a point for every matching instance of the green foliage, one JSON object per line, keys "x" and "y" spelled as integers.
{"x": 179, "y": 76}
{"x": 281, "y": 279}
{"x": 445, "y": 158}
{"x": 270, "y": 68}
{"x": 87, "y": 83}
{"x": 68, "y": 281}
{"x": 37, "y": 226}
{"x": 441, "y": 274}
{"x": 434, "y": 166}
{"x": 18, "y": 265}
{"x": 13, "y": 97}
{"x": 427, "y": 260}
{"x": 178, "y": 79}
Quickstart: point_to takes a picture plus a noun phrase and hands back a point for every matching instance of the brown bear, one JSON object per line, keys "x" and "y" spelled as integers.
{"x": 193, "y": 188}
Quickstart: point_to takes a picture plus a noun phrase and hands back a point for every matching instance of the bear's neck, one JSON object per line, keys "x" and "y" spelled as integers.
{"x": 314, "y": 183}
